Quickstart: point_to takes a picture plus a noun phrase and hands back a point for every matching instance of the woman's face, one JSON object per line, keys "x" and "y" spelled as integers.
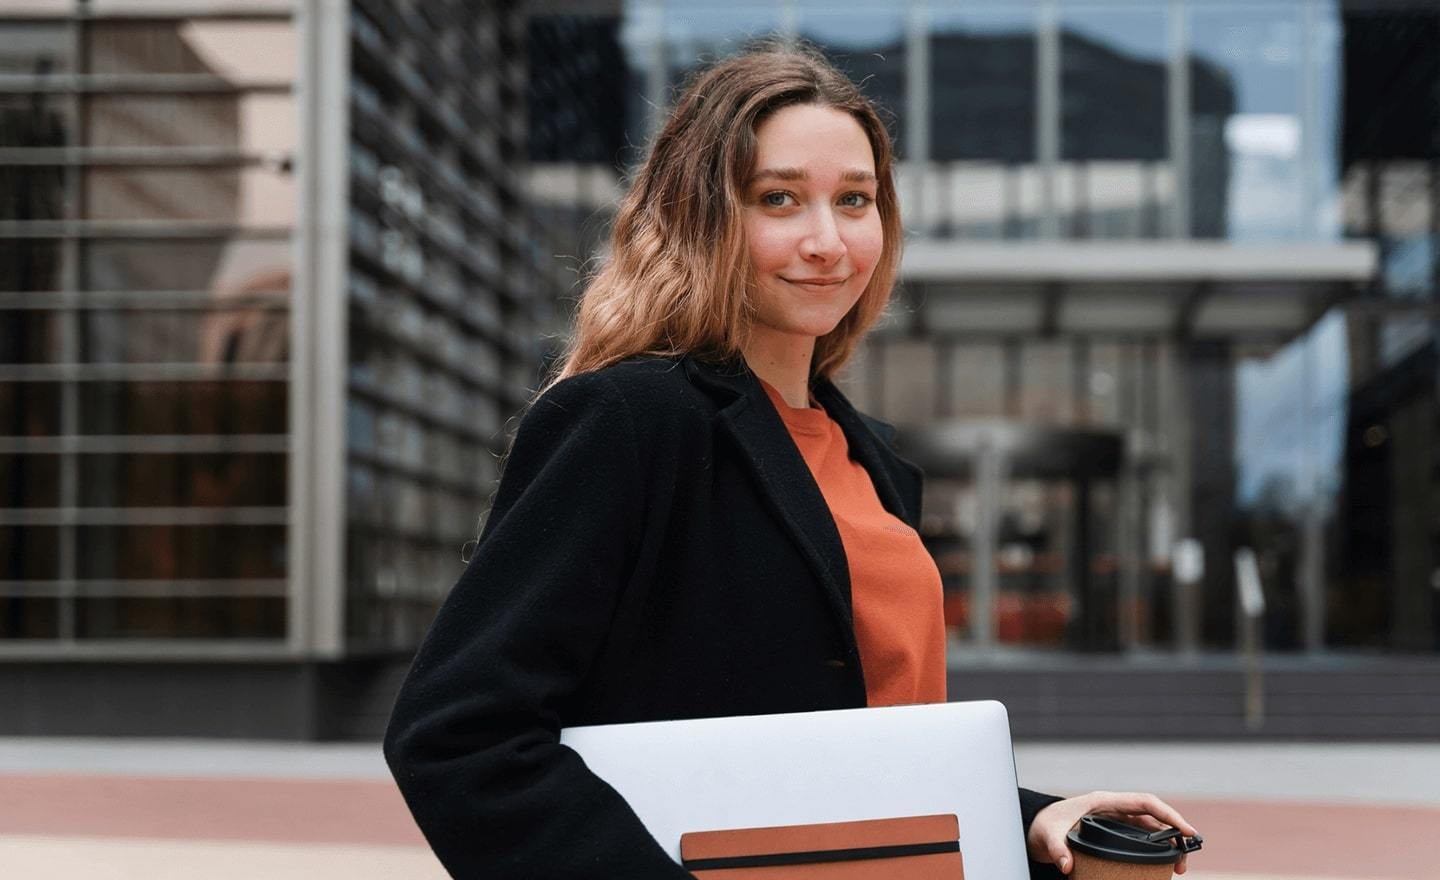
{"x": 810, "y": 219}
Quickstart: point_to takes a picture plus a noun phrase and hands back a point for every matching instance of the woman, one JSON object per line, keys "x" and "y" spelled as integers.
{"x": 693, "y": 521}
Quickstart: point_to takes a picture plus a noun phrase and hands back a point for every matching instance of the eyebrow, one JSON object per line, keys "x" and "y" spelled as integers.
{"x": 852, "y": 176}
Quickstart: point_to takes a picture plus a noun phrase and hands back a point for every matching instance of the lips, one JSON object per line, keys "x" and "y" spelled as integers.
{"x": 819, "y": 282}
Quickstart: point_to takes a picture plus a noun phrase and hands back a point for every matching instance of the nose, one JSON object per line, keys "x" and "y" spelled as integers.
{"x": 822, "y": 242}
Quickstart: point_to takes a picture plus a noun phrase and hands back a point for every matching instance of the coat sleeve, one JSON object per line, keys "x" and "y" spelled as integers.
{"x": 1031, "y": 803}
{"x": 473, "y": 741}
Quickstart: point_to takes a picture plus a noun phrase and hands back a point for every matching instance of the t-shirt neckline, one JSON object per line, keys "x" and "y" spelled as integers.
{"x": 803, "y": 420}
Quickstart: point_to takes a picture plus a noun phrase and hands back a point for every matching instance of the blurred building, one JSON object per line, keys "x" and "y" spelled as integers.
{"x": 1168, "y": 296}
{"x": 275, "y": 275}
{"x": 268, "y": 292}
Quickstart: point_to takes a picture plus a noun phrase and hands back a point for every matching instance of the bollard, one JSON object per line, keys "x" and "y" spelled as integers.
{"x": 1252, "y": 614}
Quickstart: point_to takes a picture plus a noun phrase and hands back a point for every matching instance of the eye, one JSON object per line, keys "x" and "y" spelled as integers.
{"x": 775, "y": 199}
{"x": 855, "y": 200}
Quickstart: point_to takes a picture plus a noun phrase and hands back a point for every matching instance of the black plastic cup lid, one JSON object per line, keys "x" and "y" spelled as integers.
{"x": 1118, "y": 842}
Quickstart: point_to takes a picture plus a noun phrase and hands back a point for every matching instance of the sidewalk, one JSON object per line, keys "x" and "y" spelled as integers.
{"x": 1272, "y": 810}
{"x": 166, "y": 810}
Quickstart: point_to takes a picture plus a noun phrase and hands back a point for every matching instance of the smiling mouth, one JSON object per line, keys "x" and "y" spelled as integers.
{"x": 818, "y": 282}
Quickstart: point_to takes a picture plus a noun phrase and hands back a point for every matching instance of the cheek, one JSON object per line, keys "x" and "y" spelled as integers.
{"x": 866, "y": 242}
{"x": 769, "y": 244}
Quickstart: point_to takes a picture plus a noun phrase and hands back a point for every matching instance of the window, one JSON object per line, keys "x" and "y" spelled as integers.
{"x": 235, "y": 50}
{"x": 171, "y": 617}
{"x": 198, "y": 407}
{"x": 251, "y": 196}
{"x": 223, "y": 266}
{"x": 195, "y": 336}
{"x": 163, "y": 552}
{"x": 1114, "y": 145}
{"x": 211, "y": 480}
{"x": 247, "y": 122}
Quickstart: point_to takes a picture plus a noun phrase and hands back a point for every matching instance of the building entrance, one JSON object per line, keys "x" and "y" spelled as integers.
{"x": 1028, "y": 525}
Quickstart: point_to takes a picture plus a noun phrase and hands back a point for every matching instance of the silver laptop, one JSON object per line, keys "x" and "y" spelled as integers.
{"x": 814, "y": 767}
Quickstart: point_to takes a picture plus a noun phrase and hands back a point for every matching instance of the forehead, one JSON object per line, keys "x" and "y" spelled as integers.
{"x": 813, "y": 138}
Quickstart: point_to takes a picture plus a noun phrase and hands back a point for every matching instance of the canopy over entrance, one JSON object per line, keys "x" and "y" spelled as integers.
{"x": 1189, "y": 289}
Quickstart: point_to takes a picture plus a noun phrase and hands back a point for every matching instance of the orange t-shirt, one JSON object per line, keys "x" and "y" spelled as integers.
{"x": 894, "y": 585}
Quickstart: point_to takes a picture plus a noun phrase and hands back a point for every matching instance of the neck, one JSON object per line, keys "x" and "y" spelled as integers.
{"x": 783, "y": 361}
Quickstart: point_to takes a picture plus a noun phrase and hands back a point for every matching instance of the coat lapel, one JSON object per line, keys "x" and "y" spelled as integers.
{"x": 784, "y": 479}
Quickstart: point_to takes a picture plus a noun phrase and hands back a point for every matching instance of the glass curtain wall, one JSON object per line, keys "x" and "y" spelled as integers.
{"x": 870, "y": 44}
{"x": 147, "y": 204}
{"x": 1382, "y": 579}
{"x": 1248, "y": 172}
{"x": 1334, "y": 135}
{"x": 1115, "y": 178}
{"x": 1269, "y": 124}
{"x": 693, "y": 34}
{"x": 981, "y": 136}
{"x": 1075, "y": 561}
{"x": 449, "y": 293}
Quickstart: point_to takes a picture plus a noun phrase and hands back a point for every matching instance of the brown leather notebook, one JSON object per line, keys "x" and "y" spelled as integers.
{"x": 907, "y": 848}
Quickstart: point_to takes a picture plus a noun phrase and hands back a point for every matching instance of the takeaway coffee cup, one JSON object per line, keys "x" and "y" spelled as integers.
{"x": 1108, "y": 850}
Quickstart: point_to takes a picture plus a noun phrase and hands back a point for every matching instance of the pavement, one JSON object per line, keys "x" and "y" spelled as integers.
{"x": 172, "y": 809}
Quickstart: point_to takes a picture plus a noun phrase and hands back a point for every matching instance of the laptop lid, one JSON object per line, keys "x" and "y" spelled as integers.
{"x": 805, "y": 768}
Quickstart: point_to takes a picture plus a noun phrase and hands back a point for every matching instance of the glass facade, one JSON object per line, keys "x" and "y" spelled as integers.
{"x": 153, "y": 242}
{"x": 1101, "y": 415}
{"x": 1058, "y": 162}
{"x": 147, "y": 203}
{"x": 448, "y": 293}
{"x": 1115, "y": 177}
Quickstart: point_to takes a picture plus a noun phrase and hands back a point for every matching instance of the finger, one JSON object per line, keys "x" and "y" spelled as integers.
{"x": 1140, "y": 803}
{"x": 1149, "y": 823}
{"x": 1171, "y": 817}
{"x": 1141, "y": 820}
{"x": 1063, "y": 860}
{"x": 1057, "y": 852}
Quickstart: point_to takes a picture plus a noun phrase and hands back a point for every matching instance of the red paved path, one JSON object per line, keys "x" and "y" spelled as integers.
{"x": 1315, "y": 840}
{"x": 1294, "y": 839}
{"x": 283, "y": 811}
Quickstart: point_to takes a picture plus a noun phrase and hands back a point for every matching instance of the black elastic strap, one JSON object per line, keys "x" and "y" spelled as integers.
{"x": 824, "y": 855}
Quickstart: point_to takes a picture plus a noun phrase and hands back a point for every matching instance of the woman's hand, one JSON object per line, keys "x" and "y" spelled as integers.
{"x": 1046, "y": 840}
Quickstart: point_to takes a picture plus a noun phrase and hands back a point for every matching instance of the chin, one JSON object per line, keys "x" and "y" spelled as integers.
{"x": 813, "y": 325}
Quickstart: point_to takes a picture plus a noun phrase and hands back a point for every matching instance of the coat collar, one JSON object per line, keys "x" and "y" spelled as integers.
{"x": 867, "y": 438}
{"x": 785, "y": 480}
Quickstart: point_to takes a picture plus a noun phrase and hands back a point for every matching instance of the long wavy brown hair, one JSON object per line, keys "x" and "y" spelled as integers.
{"x": 678, "y": 279}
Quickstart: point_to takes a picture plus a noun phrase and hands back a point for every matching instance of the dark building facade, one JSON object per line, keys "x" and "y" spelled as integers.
{"x": 269, "y": 291}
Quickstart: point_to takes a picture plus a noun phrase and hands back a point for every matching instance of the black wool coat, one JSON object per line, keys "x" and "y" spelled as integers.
{"x": 657, "y": 549}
